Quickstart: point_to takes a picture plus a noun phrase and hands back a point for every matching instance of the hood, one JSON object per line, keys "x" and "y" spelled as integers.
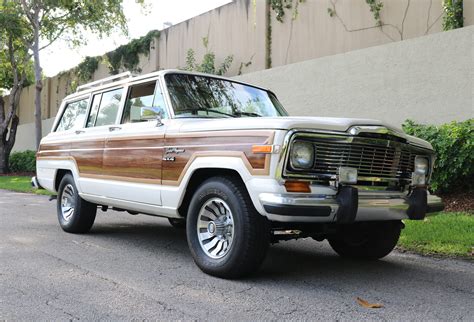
{"x": 289, "y": 123}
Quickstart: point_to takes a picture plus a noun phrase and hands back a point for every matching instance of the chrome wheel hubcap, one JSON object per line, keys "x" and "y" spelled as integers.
{"x": 215, "y": 228}
{"x": 68, "y": 202}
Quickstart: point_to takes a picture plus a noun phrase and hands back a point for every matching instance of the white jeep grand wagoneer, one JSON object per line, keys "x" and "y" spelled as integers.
{"x": 225, "y": 160}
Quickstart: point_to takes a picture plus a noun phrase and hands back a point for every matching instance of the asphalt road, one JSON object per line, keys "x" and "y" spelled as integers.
{"x": 139, "y": 267}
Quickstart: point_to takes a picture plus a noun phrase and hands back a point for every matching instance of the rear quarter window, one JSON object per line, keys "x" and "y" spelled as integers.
{"x": 74, "y": 115}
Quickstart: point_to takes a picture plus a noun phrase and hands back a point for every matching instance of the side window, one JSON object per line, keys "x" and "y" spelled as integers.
{"x": 143, "y": 104}
{"x": 74, "y": 115}
{"x": 105, "y": 108}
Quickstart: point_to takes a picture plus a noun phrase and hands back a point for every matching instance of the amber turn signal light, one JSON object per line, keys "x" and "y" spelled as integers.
{"x": 297, "y": 186}
{"x": 262, "y": 148}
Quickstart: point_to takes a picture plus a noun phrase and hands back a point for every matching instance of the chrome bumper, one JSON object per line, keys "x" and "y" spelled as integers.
{"x": 369, "y": 206}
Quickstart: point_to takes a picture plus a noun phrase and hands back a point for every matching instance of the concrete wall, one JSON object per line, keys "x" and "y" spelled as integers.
{"x": 315, "y": 34}
{"x": 237, "y": 29}
{"x": 25, "y": 138}
{"x": 428, "y": 79}
{"x": 241, "y": 29}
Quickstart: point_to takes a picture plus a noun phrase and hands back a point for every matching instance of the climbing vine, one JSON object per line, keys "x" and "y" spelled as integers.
{"x": 279, "y": 7}
{"x": 453, "y": 14}
{"x": 127, "y": 56}
{"x": 375, "y": 7}
{"x": 208, "y": 63}
{"x": 85, "y": 70}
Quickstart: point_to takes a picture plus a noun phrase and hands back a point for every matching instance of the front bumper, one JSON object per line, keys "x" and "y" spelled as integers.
{"x": 350, "y": 205}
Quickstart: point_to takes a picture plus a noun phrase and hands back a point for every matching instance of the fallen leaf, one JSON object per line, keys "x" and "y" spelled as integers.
{"x": 368, "y": 305}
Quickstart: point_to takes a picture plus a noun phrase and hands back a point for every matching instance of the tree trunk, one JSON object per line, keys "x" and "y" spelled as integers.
{"x": 38, "y": 89}
{"x": 3, "y": 160}
{"x": 3, "y": 155}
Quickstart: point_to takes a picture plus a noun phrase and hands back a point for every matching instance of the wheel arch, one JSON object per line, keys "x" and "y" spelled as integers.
{"x": 60, "y": 173}
{"x": 198, "y": 177}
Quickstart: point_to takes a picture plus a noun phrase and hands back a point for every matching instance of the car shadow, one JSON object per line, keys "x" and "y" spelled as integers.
{"x": 286, "y": 260}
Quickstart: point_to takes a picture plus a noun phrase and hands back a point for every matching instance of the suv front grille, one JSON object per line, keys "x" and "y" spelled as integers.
{"x": 374, "y": 159}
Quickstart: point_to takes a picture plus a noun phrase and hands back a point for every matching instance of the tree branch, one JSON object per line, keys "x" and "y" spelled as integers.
{"x": 53, "y": 39}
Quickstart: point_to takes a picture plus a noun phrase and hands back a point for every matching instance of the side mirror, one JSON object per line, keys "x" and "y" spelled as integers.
{"x": 151, "y": 113}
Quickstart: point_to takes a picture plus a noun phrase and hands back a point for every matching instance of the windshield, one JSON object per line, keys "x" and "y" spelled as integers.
{"x": 207, "y": 97}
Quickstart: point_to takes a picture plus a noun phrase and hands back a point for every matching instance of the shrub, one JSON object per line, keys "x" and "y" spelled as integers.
{"x": 454, "y": 146}
{"x": 23, "y": 161}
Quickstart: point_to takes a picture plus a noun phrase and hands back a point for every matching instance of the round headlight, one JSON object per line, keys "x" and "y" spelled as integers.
{"x": 302, "y": 155}
{"x": 421, "y": 165}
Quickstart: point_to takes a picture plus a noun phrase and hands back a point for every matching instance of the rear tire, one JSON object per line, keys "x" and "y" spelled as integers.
{"x": 366, "y": 240}
{"x": 75, "y": 215}
{"x": 227, "y": 237}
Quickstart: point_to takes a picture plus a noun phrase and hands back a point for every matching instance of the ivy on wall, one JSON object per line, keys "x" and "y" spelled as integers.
{"x": 279, "y": 6}
{"x": 453, "y": 14}
{"x": 127, "y": 56}
{"x": 375, "y": 7}
{"x": 85, "y": 70}
{"x": 208, "y": 64}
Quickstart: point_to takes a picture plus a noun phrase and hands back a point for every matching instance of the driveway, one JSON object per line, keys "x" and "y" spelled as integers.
{"x": 139, "y": 267}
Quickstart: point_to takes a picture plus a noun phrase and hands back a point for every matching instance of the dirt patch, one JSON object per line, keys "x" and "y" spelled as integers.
{"x": 459, "y": 201}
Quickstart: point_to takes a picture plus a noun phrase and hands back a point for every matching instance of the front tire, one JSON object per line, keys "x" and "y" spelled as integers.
{"x": 366, "y": 240}
{"x": 227, "y": 237}
{"x": 75, "y": 215}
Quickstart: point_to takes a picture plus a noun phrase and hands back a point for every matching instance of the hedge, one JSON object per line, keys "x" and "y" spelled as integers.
{"x": 23, "y": 161}
{"x": 454, "y": 146}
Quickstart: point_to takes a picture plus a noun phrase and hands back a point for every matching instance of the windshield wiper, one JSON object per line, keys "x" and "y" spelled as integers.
{"x": 248, "y": 114}
{"x": 205, "y": 110}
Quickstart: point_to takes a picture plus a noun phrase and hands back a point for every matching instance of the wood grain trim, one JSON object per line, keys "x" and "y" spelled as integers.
{"x": 235, "y": 154}
{"x": 100, "y": 176}
{"x": 217, "y": 153}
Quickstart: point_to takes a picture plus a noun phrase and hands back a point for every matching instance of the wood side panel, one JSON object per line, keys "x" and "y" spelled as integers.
{"x": 140, "y": 158}
{"x": 133, "y": 161}
{"x": 88, "y": 155}
{"x": 231, "y": 143}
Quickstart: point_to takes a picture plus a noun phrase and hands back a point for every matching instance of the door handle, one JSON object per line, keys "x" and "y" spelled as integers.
{"x": 114, "y": 128}
{"x": 80, "y": 131}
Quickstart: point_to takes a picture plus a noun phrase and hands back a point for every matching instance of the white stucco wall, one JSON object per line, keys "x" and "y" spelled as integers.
{"x": 428, "y": 79}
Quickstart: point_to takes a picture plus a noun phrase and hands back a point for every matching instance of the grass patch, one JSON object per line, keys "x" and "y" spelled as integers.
{"x": 20, "y": 184}
{"x": 447, "y": 233}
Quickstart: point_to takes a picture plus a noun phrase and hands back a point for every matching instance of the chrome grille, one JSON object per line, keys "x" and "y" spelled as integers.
{"x": 373, "y": 158}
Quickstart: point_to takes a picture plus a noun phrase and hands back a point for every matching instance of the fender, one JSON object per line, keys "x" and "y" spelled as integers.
{"x": 48, "y": 167}
{"x": 172, "y": 196}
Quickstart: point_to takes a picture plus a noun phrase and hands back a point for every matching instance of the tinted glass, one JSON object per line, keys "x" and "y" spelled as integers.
{"x": 109, "y": 107}
{"x": 199, "y": 96}
{"x": 138, "y": 96}
{"x": 74, "y": 116}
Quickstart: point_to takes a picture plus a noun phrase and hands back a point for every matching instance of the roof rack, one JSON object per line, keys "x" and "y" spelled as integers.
{"x": 104, "y": 81}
